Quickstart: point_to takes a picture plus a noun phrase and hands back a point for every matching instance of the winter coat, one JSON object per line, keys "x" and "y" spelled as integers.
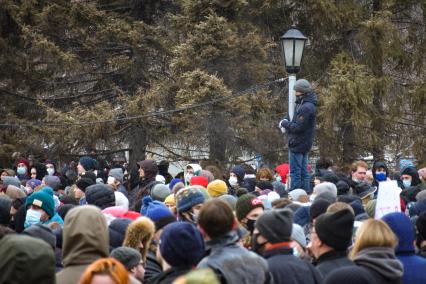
{"x": 286, "y": 268}
{"x": 26, "y": 259}
{"x": 382, "y": 264}
{"x": 170, "y": 275}
{"x": 301, "y": 128}
{"x": 85, "y": 240}
{"x": 233, "y": 263}
{"x": 330, "y": 261}
{"x": 152, "y": 267}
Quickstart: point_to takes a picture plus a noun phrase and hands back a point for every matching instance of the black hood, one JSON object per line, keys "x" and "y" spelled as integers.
{"x": 310, "y": 98}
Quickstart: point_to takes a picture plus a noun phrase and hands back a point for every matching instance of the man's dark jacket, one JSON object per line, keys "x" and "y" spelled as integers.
{"x": 301, "y": 128}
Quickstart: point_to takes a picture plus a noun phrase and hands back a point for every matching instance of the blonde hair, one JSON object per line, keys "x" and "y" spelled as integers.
{"x": 264, "y": 173}
{"x": 373, "y": 233}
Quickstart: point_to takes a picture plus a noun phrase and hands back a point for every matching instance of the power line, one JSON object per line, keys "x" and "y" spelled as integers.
{"x": 250, "y": 90}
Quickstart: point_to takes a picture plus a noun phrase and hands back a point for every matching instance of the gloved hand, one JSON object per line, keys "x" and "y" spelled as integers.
{"x": 281, "y": 125}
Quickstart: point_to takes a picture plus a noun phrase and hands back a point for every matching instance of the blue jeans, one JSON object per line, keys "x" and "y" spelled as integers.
{"x": 299, "y": 176}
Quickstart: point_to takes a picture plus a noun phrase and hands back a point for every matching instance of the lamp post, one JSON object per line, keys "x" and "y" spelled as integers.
{"x": 292, "y": 46}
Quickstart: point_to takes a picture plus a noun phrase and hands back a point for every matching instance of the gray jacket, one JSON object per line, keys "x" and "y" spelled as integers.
{"x": 233, "y": 263}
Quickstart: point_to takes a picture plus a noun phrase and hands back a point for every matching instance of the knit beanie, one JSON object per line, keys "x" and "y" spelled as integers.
{"x": 100, "y": 195}
{"x": 43, "y": 199}
{"x": 117, "y": 173}
{"x": 245, "y": 204}
{"x": 318, "y": 207}
{"x": 11, "y": 181}
{"x": 326, "y": 187}
{"x": 370, "y": 209}
{"x": 129, "y": 257}
{"x": 187, "y": 198}
{"x": 275, "y": 225}
{"x": 33, "y": 183}
{"x": 170, "y": 200}
{"x": 230, "y": 200}
{"x": 217, "y": 188}
{"x": 160, "y": 192}
{"x": 181, "y": 244}
{"x": 405, "y": 163}
{"x": 41, "y": 232}
{"x": 158, "y": 213}
{"x": 342, "y": 187}
{"x": 239, "y": 172}
{"x": 88, "y": 163}
{"x": 296, "y": 194}
{"x": 335, "y": 229}
{"x": 298, "y": 235}
{"x": 199, "y": 180}
{"x": 207, "y": 174}
{"x": 403, "y": 229}
{"x": 173, "y": 182}
{"x": 52, "y": 181}
{"x": 83, "y": 183}
{"x": 302, "y": 86}
{"x": 117, "y": 230}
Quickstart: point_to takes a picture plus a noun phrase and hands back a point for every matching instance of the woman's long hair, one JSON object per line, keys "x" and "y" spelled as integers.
{"x": 373, "y": 233}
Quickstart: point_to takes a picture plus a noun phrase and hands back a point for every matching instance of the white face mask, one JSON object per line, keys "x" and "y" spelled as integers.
{"x": 188, "y": 177}
{"x": 50, "y": 171}
{"x": 233, "y": 181}
{"x": 111, "y": 180}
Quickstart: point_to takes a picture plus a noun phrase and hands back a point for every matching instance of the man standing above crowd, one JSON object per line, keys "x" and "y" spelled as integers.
{"x": 300, "y": 131}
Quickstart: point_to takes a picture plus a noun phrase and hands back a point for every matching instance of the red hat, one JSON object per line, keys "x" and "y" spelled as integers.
{"x": 24, "y": 161}
{"x": 199, "y": 180}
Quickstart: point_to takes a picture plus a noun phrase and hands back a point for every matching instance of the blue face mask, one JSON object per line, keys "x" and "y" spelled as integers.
{"x": 32, "y": 218}
{"x": 21, "y": 171}
{"x": 406, "y": 183}
{"x": 296, "y": 253}
{"x": 381, "y": 176}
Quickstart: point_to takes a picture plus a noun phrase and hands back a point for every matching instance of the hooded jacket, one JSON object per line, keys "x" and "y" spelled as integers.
{"x": 85, "y": 239}
{"x": 381, "y": 261}
{"x": 377, "y": 165}
{"x": 302, "y": 127}
{"x": 26, "y": 259}
{"x": 414, "y": 266}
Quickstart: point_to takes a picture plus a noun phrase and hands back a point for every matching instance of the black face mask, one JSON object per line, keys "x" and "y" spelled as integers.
{"x": 250, "y": 225}
{"x": 299, "y": 99}
{"x": 255, "y": 246}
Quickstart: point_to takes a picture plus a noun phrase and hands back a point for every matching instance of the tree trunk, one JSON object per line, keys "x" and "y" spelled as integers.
{"x": 376, "y": 65}
{"x": 349, "y": 147}
{"x": 138, "y": 141}
{"x": 217, "y": 137}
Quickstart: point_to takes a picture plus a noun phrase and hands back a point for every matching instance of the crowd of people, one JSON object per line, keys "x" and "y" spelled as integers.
{"x": 113, "y": 224}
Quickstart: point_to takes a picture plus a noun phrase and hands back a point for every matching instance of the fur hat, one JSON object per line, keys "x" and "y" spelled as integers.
{"x": 217, "y": 188}
{"x": 142, "y": 229}
{"x": 181, "y": 244}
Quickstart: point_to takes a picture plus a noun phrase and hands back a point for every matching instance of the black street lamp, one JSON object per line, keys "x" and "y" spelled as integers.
{"x": 292, "y": 46}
